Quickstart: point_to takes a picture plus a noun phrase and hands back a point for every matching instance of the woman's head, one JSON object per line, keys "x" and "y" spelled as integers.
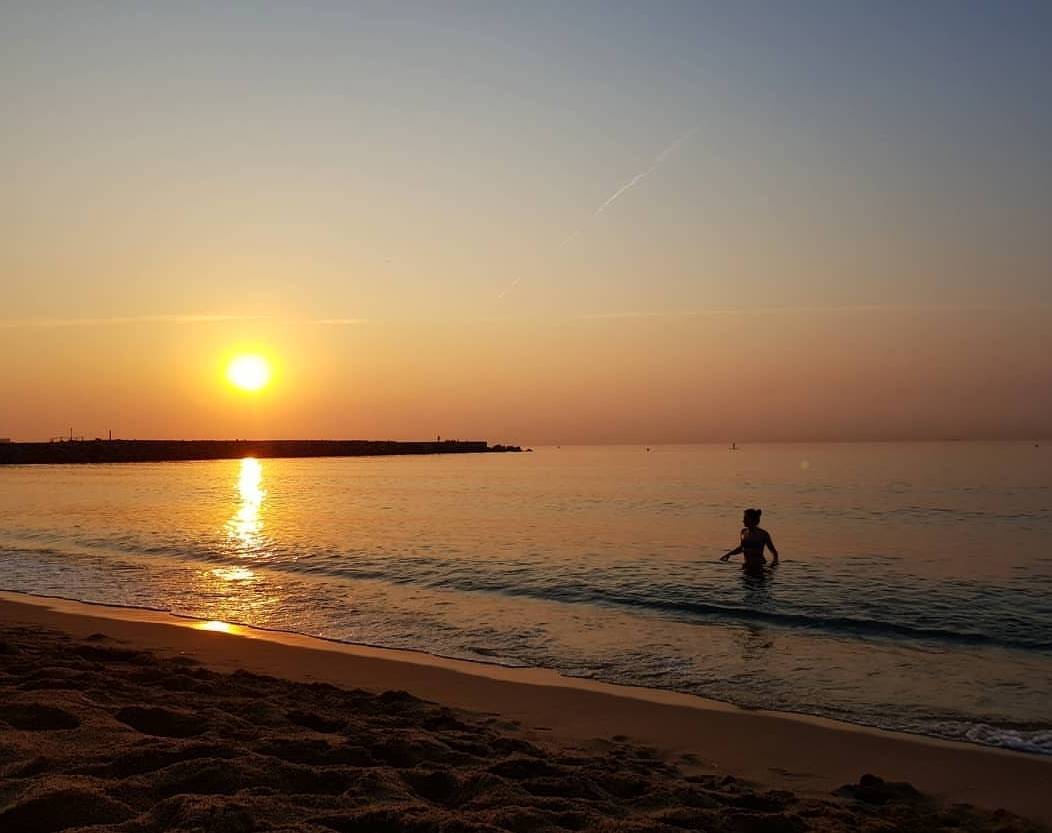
{"x": 751, "y": 517}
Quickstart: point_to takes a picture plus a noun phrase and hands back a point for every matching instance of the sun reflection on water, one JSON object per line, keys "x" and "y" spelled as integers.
{"x": 246, "y": 526}
{"x": 237, "y": 590}
{"x": 218, "y": 626}
{"x": 234, "y": 573}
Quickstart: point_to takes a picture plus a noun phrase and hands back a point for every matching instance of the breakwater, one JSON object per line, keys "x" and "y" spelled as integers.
{"x": 155, "y": 451}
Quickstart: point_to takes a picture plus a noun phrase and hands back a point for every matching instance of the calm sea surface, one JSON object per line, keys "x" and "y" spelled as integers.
{"x": 915, "y": 591}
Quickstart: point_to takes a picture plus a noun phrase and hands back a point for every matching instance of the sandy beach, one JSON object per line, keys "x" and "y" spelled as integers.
{"x": 135, "y": 721}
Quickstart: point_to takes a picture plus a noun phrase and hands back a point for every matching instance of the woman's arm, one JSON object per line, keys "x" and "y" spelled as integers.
{"x": 770, "y": 546}
{"x": 735, "y": 551}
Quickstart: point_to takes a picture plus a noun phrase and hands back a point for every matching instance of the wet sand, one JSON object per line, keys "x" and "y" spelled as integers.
{"x": 135, "y": 721}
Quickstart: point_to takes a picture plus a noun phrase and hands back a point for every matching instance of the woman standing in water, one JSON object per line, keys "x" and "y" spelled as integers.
{"x": 753, "y": 542}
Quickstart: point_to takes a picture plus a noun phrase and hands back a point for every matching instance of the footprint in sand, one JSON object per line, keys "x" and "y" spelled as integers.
{"x": 165, "y": 723}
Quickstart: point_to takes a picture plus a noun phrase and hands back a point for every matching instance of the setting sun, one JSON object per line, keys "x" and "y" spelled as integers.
{"x": 249, "y": 372}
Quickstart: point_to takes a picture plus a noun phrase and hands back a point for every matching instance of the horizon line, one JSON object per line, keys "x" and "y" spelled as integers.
{"x": 58, "y": 439}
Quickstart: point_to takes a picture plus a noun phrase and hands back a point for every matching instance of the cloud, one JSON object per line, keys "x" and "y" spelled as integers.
{"x": 789, "y": 310}
{"x": 46, "y": 323}
{"x": 13, "y": 323}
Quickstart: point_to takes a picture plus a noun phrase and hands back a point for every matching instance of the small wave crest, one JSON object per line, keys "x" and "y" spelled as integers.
{"x": 1037, "y": 741}
{"x": 907, "y": 610}
{"x": 833, "y": 624}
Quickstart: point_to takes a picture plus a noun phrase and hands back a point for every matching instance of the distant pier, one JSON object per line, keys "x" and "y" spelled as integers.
{"x": 157, "y": 451}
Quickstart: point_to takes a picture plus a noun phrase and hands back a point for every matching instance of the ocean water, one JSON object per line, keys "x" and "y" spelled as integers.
{"x": 915, "y": 590}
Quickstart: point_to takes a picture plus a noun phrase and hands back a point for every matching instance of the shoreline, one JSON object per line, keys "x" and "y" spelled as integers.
{"x": 538, "y": 675}
{"x": 526, "y": 674}
{"x": 808, "y": 755}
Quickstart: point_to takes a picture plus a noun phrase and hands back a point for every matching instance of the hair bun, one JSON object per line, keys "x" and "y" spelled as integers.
{"x": 758, "y": 512}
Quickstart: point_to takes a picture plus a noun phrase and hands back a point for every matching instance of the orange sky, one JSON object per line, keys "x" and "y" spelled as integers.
{"x": 763, "y": 374}
{"x": 527, "y": 223}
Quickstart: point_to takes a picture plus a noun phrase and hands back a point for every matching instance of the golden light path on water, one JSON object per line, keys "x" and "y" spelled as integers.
{"x": 246, "y": 525}
{"x": 235, "y": 589}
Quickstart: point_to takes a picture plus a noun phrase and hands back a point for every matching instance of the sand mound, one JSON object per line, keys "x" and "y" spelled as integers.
{"x": 95, "y": 738}
{"x": 54, "y": 804}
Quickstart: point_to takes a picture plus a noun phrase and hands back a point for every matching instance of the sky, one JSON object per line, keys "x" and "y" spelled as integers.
{"x": 528, "y": 222}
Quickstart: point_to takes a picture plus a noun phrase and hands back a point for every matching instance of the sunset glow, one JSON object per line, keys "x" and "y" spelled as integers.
{"x": 420, "y": 360}
{"x": 249, "y": 372}
{"x": 769, "y": 244}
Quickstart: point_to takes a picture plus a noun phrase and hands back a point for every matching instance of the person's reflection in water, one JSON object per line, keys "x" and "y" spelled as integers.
{"x": 753, "y": 541}
{"x": 758, "y": 590}
{"x": 757, "y": 584}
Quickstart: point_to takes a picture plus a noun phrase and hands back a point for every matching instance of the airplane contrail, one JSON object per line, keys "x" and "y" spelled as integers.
{"x": 508, "y": 288}
{"x": 627, "y": 186}
{"x": 634, "y": 181}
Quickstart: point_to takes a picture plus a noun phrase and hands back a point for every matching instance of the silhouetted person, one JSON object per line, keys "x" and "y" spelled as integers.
{"x": 753, "y": 542}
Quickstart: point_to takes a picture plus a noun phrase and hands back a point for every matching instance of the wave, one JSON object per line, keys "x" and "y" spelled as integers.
{"x": 684, "y": 600}
{"x": 1035, "y": 741}
{"x": 832, "y": 624}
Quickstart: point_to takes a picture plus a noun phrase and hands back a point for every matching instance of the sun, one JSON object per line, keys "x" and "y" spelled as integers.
{"x": 248, "y": 372}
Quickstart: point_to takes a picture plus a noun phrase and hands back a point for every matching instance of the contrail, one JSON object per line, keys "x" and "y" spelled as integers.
{"x": 508, "y": 288}
{"x": 634, "y": 181}
{"x": 628, "y": 186}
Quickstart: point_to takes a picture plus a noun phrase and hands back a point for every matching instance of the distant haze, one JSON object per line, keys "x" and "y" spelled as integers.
{"x": 535, "y": 223}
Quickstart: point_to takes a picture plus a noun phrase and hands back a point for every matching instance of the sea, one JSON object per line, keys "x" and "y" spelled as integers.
{"x": 914, "y": 591}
